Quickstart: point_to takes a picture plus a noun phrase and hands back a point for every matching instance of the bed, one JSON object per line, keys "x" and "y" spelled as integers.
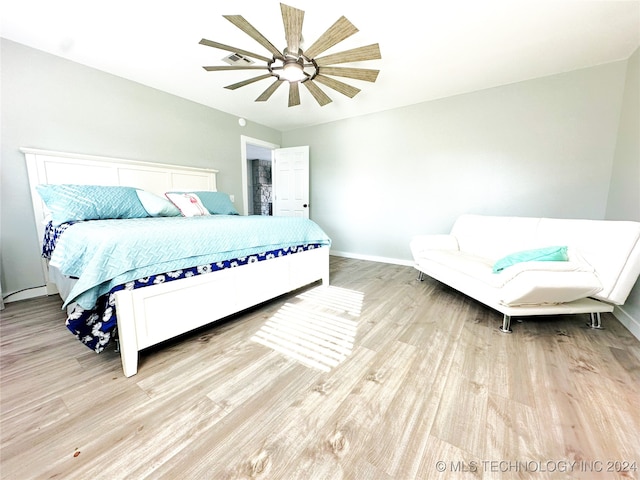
{"x": 148, "y": 277}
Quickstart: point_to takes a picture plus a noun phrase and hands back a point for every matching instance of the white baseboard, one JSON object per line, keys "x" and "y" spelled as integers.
{"x": 43, "y": 291}
{"x": 632, "y": 324}
{"x": 373, "y": 258}
{"x": 26, "y": 294}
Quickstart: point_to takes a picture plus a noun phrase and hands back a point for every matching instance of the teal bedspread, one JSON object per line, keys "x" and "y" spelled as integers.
{"x": 106, "y": 253}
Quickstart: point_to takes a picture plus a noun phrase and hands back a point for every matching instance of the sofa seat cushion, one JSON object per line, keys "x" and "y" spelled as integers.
{"x": 526, "y": 283}
{"x": 542, "y": 283}
{"x": 464, "y": 264}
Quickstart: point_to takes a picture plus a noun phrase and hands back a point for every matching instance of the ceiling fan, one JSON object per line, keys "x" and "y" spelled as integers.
{"x": 295, "y": 66}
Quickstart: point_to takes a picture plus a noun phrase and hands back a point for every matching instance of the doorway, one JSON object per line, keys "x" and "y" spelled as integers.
{"x": 266, "y": 189}
{"x": 257, "y": 176}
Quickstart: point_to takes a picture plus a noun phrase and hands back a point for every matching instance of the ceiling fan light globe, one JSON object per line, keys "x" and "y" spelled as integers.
{"x": 292, "y": 72}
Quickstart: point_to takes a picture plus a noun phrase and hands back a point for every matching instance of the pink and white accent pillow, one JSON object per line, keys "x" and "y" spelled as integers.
{"x": 189, "y": 204}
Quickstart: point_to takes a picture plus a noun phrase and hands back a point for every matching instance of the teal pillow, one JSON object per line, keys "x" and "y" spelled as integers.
{"x": 217, "y": 203}
{"x": 546, "y": 254}
{"x": 70, "y": 203}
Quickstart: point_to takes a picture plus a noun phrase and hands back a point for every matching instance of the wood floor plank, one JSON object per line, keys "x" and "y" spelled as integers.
{"x": 428, "y": 389}
{"x": 410, "y": 416}
{"x": 143, "y": 444}
{"x": 556, "y": 400}
{"x": 443, "y": 460}
{"x": 514, "y": 431}
{"x": 348, "y": 434}
{"x": 278, "y": 447}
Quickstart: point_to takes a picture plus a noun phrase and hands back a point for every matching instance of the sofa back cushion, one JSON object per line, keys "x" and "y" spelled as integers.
{"x": 494, "y": 237}
{"x": 612, "y": 248}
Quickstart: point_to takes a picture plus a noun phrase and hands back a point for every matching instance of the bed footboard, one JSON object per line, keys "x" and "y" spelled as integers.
{"x": 151, "y": 315}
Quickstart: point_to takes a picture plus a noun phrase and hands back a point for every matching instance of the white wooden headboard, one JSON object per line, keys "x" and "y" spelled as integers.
{"x": 47, "y": 167}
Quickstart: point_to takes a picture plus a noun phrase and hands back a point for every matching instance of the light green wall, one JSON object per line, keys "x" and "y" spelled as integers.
{"x": 55, "y": 104}
{"x": 560, "y": 146}
{"x": 624, "y": 193}
{"x": 543, "y": 147}
{"x": 549, "y": 146}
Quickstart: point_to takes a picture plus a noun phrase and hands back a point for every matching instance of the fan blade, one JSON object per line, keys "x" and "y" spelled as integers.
{"x": 228, "y": 48}
{"x": 269, "y": 91}
{"x": 337, "y": 32}
{"x": 294, "y": 94}
{"x": 360, "y": 54}
{"x": 246, "y": 27}
{"x": 292, "y": 19}
{"x": 338, "y": 86}
{"x": 234, "y": 67}
{"x": 365, "y": 74}
{"x": 247, "y": 82}
{"x": 317, "y": 93}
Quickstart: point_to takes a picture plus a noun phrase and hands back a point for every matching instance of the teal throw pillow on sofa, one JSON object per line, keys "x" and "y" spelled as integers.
{"x": 545, "y": 254}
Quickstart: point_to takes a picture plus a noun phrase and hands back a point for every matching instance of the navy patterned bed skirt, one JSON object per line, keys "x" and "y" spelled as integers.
{"x": 51, "y": 236}
{"x": 97, "y": 327}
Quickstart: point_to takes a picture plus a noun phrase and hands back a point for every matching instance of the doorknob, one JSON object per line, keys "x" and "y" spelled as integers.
{"x": 305, "y": 205}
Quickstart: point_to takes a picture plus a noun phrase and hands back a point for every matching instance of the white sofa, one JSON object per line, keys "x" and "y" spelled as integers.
{"x": 602, "y": 268}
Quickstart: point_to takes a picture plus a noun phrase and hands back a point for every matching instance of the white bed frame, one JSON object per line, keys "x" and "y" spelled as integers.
{"x": 151, "y": 315}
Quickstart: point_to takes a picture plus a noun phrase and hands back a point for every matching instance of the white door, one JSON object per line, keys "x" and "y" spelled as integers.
{"x": 290, "y": 173}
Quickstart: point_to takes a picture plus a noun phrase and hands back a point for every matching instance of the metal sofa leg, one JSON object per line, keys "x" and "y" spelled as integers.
{"x": 506, "y": 324}
{"x": 420, "y": 275}
{"x": 596, "y": 322}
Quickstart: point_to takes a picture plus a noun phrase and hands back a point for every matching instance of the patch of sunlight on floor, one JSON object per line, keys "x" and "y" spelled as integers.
{"x": 336, "y": 298}
{"x": 318, "y": 339}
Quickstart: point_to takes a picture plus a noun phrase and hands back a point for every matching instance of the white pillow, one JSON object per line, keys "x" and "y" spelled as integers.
{"x": 189, "y": 204}
{"x": 157, "y": 206}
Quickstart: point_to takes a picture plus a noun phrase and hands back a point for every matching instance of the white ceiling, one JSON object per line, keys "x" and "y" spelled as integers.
{"x": 430, "y": 49}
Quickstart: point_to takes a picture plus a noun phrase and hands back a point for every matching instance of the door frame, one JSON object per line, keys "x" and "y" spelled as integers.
{"x": 244, "y": 141}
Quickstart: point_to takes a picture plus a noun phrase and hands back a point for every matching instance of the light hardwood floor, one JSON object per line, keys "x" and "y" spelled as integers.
{"x": 412, "y": 380}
